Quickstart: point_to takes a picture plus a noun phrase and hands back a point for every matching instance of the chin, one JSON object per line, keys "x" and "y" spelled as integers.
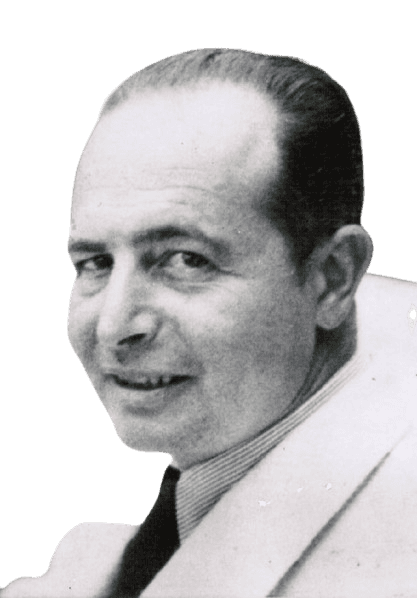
{"x": 142, "y": 438}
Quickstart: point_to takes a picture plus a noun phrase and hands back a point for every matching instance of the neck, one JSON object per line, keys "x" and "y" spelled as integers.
{"x": 333, "y": 349}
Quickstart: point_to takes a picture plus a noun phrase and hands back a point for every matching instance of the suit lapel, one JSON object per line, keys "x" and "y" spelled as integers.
{"x": 264, "y": 524}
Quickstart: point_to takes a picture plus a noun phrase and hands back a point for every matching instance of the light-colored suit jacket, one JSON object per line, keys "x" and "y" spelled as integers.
{"x": 330, "y": 512}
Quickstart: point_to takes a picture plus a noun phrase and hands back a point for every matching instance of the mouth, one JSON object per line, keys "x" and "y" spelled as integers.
{"x": 149, "y": 383}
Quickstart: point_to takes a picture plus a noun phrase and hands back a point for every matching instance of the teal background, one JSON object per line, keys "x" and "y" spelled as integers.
{"x": 61, "y": 461}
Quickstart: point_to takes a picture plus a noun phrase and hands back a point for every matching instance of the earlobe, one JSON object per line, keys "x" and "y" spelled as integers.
{"x": 340, "y": 265}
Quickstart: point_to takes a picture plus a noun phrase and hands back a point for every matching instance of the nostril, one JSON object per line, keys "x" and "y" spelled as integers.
{"x": 131, "y": 340}
{"x": 129, "y": 347}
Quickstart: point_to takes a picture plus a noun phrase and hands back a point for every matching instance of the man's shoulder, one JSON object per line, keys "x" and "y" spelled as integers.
{"x": 395, "y": 289}
{"x": 370, "y": 549}
{"x": 92, "y": 546}
{"x": 82, "y": 565}
{"x": 387, "y": 311}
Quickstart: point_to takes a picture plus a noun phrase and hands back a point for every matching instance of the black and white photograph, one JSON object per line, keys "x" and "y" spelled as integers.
{"x": 209, "y": 301}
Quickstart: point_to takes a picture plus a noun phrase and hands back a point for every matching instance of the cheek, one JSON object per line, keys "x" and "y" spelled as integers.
{"x": 81, "y": 330}
{"x": 248, "y": 327}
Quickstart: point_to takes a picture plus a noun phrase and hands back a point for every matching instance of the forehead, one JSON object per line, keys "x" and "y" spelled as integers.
{"x": 220, "y": 134}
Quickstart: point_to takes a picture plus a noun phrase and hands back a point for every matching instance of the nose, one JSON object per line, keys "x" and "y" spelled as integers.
{"x": 126, "y": 315}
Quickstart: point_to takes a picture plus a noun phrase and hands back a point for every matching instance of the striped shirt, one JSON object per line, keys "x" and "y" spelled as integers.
{"x": 201, "y": 486}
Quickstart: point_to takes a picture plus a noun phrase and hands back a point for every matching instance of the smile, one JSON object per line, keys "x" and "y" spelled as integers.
{"x": 149, "y": 383}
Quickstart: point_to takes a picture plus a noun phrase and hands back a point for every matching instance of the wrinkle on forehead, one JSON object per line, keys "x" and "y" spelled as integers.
{"x": 144, "y": 179}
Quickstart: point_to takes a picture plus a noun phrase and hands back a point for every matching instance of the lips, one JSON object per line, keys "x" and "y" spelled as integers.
{"x": 148, "y": 383}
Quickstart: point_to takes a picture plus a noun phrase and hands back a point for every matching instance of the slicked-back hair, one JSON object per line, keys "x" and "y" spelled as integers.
{"x": 319, "y": 185}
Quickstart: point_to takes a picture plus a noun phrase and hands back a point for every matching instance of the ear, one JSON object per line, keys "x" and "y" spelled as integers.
{"x": 339, "y": 265}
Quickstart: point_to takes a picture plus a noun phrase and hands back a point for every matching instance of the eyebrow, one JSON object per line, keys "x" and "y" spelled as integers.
{"x": 154, "y": 235}
{"x": 84, "y": 246}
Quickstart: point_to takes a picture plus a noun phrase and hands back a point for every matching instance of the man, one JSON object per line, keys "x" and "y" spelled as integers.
{"x": 217, "y": 243}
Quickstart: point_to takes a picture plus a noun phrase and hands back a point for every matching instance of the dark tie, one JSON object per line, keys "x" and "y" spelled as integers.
{"x": 153, "y": 545}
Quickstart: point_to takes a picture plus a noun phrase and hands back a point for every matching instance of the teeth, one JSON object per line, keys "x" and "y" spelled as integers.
{"x": 143, "y": 380}
{"x": 149, "y": 382}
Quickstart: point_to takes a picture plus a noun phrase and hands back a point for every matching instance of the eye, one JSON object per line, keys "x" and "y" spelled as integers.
{"x": 94, "y": 266}
{"x": 187, "y": 265}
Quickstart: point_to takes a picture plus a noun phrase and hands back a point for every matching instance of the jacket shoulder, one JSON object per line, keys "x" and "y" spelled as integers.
{"x": 387, "y": 314}
{"x": 82, "y": 565}
{"x": 370, "y": 549}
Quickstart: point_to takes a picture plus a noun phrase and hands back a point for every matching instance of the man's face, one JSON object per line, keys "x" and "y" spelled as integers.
{"x": 186, "y": 312}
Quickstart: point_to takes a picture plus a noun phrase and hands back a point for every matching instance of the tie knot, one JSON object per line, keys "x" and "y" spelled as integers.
{"x": 172, "y": 474}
